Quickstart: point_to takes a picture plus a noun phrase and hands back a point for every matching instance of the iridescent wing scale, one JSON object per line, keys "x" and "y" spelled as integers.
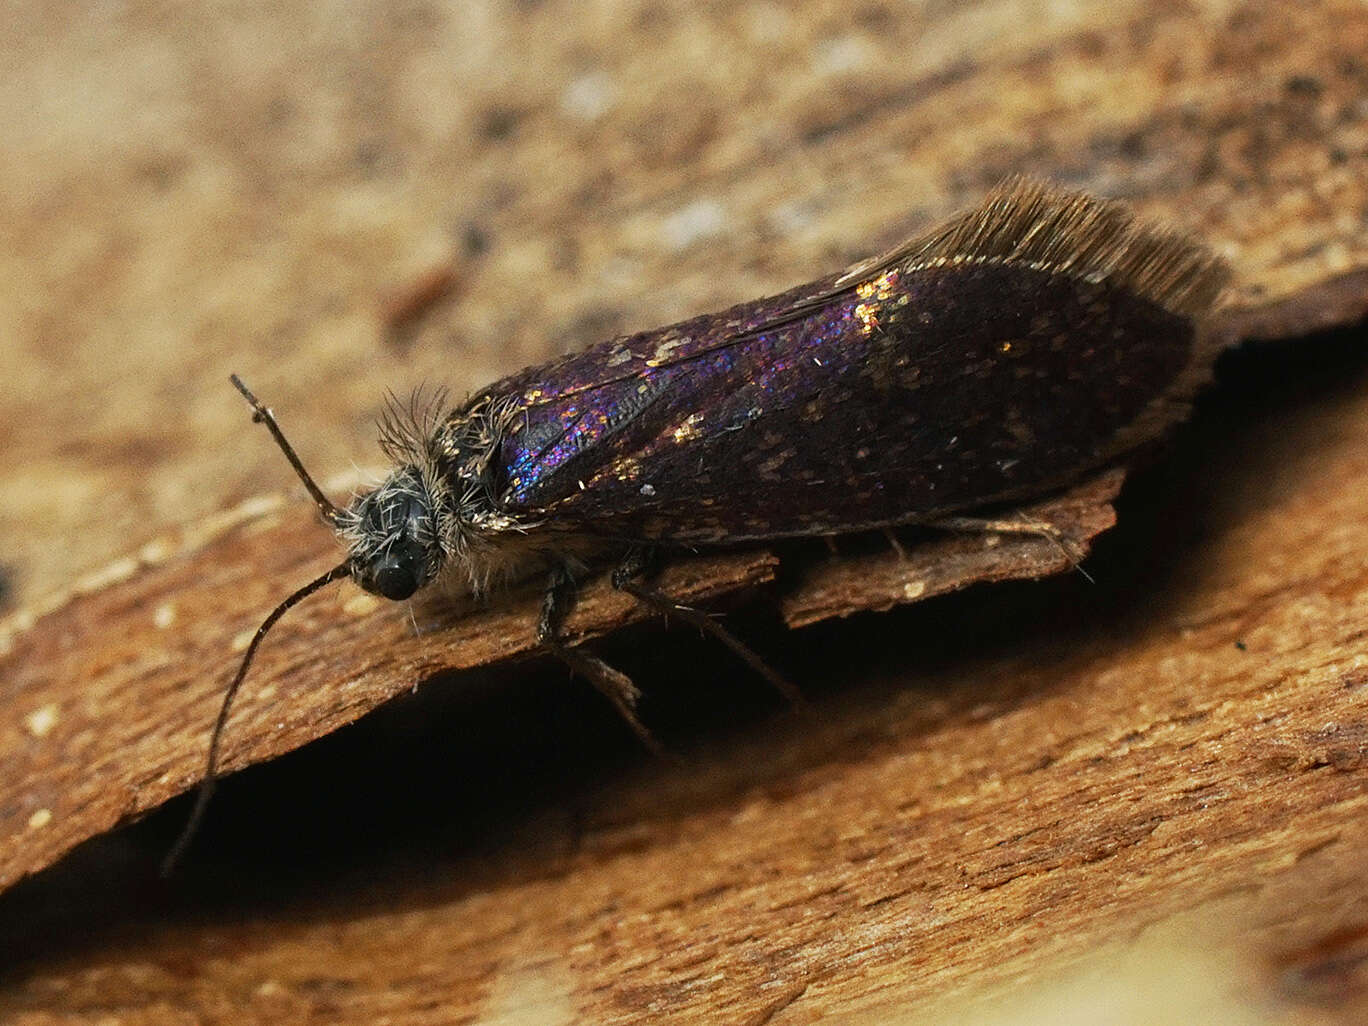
{"x": 1005, "y": 354}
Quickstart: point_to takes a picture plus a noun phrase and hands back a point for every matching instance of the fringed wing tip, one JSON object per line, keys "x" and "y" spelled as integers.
{"x": 1027, "y": 221}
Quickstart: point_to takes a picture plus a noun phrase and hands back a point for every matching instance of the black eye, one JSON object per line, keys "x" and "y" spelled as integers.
{"x": 394, "y": 576}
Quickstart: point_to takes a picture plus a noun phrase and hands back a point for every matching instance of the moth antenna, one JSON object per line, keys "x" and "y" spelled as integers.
{"x": 261, "y": 415}
{"x": 210, "y": 778}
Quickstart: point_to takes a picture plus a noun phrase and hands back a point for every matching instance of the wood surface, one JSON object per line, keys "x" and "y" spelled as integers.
{"x": 1005, "y": 803}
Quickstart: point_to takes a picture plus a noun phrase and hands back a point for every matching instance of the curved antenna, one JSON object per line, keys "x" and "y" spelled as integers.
{"x": 261, "y": 415}
{"x": 210, "y": 778}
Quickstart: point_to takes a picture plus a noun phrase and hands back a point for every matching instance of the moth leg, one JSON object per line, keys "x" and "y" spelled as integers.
{"x": 613, "y": 684}
{"x": 1020, "y": 525}
{"x": 894, "y": 543}
{"x": 638, "y": 561}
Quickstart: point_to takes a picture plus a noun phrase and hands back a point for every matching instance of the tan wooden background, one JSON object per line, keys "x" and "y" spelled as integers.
{"x": 1144, "y": 793}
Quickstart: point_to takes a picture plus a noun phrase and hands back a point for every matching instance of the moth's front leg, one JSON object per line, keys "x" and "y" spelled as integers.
{"x": 615, "y": 685}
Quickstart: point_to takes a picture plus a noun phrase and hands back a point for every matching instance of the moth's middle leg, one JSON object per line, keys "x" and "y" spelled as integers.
{"x": 1021, "y": 524}
{"x": 639, "y": 561}
{"x": 615, "y": 685}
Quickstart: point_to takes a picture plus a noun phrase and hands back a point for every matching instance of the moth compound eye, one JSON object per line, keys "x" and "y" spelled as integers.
{"x": 393, "y": 576}
{"x": 392, "y": 536}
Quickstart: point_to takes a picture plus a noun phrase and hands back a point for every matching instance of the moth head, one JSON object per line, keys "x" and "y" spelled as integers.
{"x": 392, "y": 536}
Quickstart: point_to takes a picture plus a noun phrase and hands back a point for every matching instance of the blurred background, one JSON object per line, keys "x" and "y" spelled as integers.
{"x": 338, "y": 199}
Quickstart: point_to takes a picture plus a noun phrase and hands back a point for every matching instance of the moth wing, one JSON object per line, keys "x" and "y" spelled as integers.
{"x": 1012, "y": 349}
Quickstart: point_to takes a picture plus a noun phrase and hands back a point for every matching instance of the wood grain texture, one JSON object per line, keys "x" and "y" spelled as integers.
{"x": 995, "y": 786}
{"x": 106, "y": 729}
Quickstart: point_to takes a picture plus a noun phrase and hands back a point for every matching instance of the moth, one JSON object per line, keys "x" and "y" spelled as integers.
{"x": 1003, "y": 355}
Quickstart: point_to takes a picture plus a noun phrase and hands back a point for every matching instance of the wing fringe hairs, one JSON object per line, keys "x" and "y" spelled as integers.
{"x": 1030, "y": 223}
